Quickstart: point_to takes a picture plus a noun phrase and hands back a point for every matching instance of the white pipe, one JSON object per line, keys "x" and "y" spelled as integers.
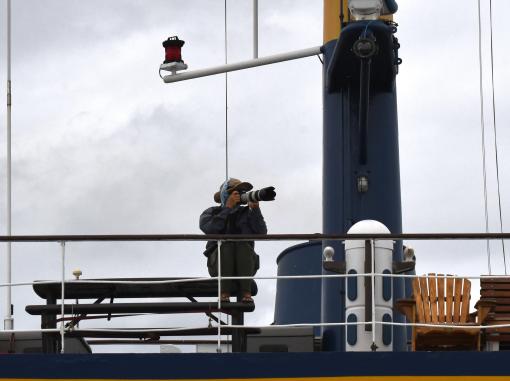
{"x": 218, "y": 349}
{"x": 62, "y": 322}
{"x": 372, "y": 258}
{"x": 244, "y": 64}
{"x": 8, "y": 320}
{"x": 45, "y": 330}
{"x": 235, "y": 326}
{"x": 282, "y": 277}
{"x": 255, "y": 29}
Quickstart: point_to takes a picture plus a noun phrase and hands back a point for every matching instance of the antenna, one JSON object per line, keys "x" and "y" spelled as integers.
{"x": 8, "y": 320}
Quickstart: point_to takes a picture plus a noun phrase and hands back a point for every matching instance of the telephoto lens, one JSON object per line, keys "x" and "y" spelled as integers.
{"x": 264, "y": 194}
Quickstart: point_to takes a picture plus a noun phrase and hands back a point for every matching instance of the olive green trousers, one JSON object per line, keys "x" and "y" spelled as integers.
{"x": 237, "y": 259}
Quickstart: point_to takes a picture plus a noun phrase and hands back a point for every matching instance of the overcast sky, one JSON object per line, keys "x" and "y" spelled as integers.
{"x": 102, "y": 146}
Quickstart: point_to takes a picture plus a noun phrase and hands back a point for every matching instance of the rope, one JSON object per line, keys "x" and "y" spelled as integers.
{"x": 496, "y": 138}
{"x": 482, "y": 123}
{"x": 226, "y": 92}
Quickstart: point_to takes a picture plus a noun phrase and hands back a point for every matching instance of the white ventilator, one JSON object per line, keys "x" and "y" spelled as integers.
{"x": 366, "y": 9}
{"x": 360, "y": 298}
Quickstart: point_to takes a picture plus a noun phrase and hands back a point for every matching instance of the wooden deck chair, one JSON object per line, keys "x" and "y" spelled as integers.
{"x": 439, "y": 301}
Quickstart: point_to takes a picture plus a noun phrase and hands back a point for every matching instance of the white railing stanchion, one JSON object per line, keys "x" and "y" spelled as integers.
{"x": 8, "y": 320}
{"x": 62, "y": 321}
{"x": 372, "y": 275}
{"x": 255, "y": 28}
{"x": 218, "y": 349}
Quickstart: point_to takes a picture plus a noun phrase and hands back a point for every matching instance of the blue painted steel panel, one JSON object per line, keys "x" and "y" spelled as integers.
{"x": 335, "y": 193}
{"x": 253, "y": 365}
{"x": 299, "y": 301}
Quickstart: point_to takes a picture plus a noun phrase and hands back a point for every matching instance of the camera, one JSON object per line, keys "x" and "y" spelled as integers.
{"x": 264, "y": 194}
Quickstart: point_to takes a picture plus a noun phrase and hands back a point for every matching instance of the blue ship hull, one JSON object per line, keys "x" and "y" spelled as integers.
{"x": 324, "y": 365}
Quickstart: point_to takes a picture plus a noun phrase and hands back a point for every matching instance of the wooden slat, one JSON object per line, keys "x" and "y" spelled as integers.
{"x": 466, "y": 296}
{"x": 498, "y": 330}
{"x": 440, "y": 298}
{"x": 500, "y": 301}
{"x": 433, "y": 298}
{"x": 449, "y": 299}
{"x": 419, "y": 301}
{"x": 495, "y": 280}
{"x": 426, "y": 299}
{"x": 457, "y": 295}
{"x": 495, "y": 286}
{"x": 501, "y": 318}
{"x": 495, "y": 293}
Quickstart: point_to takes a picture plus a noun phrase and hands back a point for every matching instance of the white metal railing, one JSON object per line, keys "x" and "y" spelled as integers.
{"x": 62, "y": 330}
{"x": 62, "y": 323}
{"x": 275, "y": 277}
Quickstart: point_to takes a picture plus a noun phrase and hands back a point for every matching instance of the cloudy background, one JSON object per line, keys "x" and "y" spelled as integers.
{"x": 102, "y": 146}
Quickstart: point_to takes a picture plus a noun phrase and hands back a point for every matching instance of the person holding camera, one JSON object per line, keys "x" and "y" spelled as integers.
{"x": 237, "y": 258}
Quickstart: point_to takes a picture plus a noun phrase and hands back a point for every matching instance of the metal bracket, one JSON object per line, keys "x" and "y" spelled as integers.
{"x": 109, "y": 317}
{"x": 403, "y": 267}
{"x": 173, "y": 67}
{"x": 338, "y": 267}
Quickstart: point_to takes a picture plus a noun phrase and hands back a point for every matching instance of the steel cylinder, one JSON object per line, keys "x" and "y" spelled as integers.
{"x": 361, "y": 257}
{"x": 299, "y": 300}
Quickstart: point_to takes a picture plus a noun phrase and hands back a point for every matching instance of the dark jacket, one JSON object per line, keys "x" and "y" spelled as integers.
{"x": 238, "y": 220}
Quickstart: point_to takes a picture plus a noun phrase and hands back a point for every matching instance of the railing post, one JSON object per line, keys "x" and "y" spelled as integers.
{"x": 62, "y": 320}
{"x": 218, "y": 349}
{"x": 8, "y": 320}
{"x": 372, "y": 274}
{"x": 255, "y": 28}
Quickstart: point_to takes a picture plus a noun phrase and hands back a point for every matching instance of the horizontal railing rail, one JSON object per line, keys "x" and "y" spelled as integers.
{"x": 250, "y": 237}
{"x": 275, "y": 277}
{"x": 245, "y": 327}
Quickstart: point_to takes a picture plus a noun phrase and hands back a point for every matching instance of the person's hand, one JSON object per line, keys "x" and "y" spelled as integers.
{"x": 233, "y": 199}
{"x": 253, "y": 205}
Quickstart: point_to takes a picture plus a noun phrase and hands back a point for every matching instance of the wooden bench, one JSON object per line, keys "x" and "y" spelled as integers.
{"x": 497, "y": 292}
{"x": 113, "y": 289}
{"x": 439, "y": 301}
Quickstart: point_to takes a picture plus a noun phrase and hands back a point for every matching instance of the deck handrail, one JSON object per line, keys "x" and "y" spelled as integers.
{"x": 221, "y": 238}
{"x": 248, "y": 237}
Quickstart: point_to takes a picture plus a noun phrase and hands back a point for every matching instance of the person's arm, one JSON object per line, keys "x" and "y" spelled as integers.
{"x": 256, "y": 219}
{"x": 216, "y": 223}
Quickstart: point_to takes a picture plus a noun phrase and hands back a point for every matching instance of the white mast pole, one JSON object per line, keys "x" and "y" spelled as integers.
{"x": 8, "y": 320}
{"x": 255, "y": 28}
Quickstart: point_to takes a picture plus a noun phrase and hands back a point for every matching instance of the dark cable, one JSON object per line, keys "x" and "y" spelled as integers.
{"x": 496, "y": 138}
{"x": 482, "y": 122}
{"x": 226, "y": 96}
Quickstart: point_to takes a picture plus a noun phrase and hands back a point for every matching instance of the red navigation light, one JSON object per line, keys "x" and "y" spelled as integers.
{"x": 173, "y": 49}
